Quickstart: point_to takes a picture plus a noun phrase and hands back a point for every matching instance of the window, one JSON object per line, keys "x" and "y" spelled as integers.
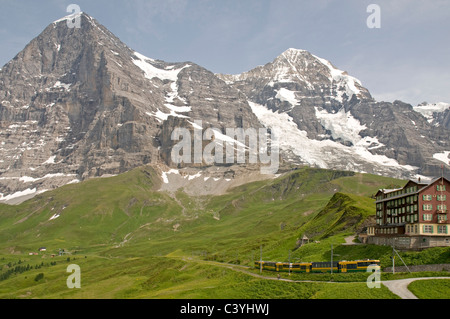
{"x": 442, "y": 217}
{"x": 427, "y": 207}
{"x": 427, "y": 217}
{"x": 442, "y": 207}
{"x": 428, "y": 229}
{"x": 442, "y": 229}
{"x": 427, "y": 197}
{"x": 441, "y": 198}
{"x": 440, "y": 187}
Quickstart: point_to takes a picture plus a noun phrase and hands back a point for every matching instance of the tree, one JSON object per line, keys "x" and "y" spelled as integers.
{"x": 39, "y": 276}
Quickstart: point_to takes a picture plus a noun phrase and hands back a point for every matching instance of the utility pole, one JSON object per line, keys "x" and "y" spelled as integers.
{"x": 393, "y": 260}
{"x": 260, "y": 259}
{"x": 289, "y": 262}
{"x": 332, "y": 258}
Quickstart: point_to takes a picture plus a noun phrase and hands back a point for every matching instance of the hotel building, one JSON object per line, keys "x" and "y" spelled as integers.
{"x": 414, "y": 216}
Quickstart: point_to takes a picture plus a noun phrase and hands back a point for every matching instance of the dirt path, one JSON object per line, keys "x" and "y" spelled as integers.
{"x": 349, "y": 240}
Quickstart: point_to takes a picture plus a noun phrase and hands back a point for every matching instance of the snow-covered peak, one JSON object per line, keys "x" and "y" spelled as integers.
{"x": 69, "y": 17}
{"x": 293, "y": 54}
{"x": 428, "y": 109}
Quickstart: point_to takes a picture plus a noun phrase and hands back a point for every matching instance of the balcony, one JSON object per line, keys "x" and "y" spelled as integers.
{"x": 441, "y": 211}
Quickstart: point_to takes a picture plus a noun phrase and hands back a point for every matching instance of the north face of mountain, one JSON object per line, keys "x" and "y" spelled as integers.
{"x": 78, "y": 103}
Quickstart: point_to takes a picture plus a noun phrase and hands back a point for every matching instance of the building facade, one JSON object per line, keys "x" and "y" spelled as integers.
{"x": 414, "y": 216}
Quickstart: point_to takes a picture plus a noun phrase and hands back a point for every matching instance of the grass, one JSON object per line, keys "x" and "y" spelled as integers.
{"x": 132, "y": 241}
{"x": 168, "y": 278}
{"x": 431, "y": 288}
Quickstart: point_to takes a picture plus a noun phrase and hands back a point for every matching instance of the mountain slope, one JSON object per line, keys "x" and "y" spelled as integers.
{"x": 129, "y": 210}
{"x": 344, "y": 212}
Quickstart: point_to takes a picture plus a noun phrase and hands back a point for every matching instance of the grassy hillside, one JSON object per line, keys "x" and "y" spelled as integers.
{"x": 132, "y": 241}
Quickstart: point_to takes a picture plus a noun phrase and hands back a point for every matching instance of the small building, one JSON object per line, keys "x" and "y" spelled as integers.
{"x": 305, "y": 240}
{"x": 414, "y": 216}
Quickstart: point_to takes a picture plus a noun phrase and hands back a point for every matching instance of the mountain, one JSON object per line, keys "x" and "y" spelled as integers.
{"x": 77, "y": 103}
{"x": 328, "y": 119}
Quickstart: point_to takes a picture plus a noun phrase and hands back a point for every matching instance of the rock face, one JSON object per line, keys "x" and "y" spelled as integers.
{"x": 77, "y": 103}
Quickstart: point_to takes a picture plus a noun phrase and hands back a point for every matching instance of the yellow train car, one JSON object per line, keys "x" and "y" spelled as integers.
{"x": 324, "y": 266}
{"x": 294, "y": 267}
{"x": 357, "y": 265}
{"x": 266, "y": 265}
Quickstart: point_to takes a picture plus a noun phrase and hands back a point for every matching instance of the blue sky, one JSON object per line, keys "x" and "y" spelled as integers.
{"x": 407, "y": 58}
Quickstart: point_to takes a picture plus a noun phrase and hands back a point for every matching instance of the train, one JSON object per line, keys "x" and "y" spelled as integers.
{"x": 318, "y": 267}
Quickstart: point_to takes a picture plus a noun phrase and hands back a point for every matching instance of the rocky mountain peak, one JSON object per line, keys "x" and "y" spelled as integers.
{"x": 305, "y": 74}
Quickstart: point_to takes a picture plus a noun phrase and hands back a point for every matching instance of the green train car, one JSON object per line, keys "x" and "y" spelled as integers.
{"x": 318, "y": 267}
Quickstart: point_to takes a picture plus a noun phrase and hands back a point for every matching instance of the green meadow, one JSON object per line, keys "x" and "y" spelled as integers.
{"x": 133, "y": 241}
